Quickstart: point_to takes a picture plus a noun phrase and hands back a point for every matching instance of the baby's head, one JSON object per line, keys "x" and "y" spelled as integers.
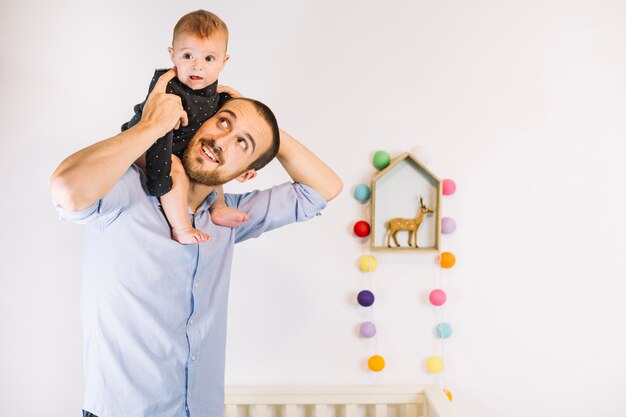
{"x": 199, "y": 48}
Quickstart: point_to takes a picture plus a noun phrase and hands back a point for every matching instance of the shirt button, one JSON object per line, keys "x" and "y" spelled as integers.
{"x": 190, "y": 321}
{"x": 195, "y": 285}
{"x": 193, "y": 357}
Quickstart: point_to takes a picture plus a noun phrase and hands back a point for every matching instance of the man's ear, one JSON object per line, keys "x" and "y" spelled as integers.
{"x": 171, "y": 51}
{"x": 246, "y": 176}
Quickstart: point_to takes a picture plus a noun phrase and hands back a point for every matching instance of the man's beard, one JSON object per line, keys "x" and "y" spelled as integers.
{"x": 193, "y": 164}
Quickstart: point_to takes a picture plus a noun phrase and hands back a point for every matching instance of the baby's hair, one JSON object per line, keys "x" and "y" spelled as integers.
{"x": 200, "y": 23}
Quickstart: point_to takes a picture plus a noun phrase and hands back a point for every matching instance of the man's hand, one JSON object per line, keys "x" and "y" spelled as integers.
{"x": 163, "y": 112}
{"x": 228, "y": 90}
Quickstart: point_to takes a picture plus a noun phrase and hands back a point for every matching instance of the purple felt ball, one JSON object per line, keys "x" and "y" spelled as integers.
{"x": 448, "y": 225}
{"x": 365, "y": 298}
{"x": 367, "y": 329}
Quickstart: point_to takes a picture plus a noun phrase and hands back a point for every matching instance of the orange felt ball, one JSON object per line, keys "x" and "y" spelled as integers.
{"x": 446, "y": 260}
{"x": 376, "y": 363}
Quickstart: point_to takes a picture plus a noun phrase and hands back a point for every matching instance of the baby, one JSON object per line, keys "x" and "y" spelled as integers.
{"x": 199, "y": 53}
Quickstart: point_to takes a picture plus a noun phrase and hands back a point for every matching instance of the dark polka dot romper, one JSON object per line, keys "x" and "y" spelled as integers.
{"x": 200, "y": 105}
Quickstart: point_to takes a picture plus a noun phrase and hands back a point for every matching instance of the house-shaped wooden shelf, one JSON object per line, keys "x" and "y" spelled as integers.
{"x": 396, "y": 192}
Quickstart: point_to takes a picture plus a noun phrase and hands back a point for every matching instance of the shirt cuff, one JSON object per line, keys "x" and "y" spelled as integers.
{"x": 315, "y": 202}
{"x": 82, "y": 216}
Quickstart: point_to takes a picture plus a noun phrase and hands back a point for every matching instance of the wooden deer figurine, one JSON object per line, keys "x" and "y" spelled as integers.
{"x": 411, "y": 225}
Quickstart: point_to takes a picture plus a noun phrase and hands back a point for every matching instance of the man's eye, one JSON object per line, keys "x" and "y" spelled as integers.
{"x": 224, "y": 122}
{"x": 242, "y": 142}
{"x": 210, "y": 58}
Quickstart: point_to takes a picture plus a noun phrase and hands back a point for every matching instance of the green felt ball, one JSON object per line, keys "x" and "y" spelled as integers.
{"x": 381, "y": 160}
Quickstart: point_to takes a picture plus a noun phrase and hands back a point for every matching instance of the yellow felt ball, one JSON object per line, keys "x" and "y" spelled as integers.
{"x": 434, "y": 364}
{"x": 367, "y": 263}
{"x": 448, "y": 394}
{"x": 376, "y": 363}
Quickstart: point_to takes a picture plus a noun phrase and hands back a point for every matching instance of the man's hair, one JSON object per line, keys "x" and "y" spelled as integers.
{"x": 200, "y": 23}
{"x": 268, "y": 116}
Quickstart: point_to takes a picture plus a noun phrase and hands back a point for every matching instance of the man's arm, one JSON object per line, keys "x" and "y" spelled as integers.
{"x": 305, "y": 167}
{"x": 89, "y": 174}
{"x": 315, "y": 185}
{"x": 301, "y": 164}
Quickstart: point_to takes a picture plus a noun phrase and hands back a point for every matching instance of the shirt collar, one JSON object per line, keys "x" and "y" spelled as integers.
{"x": 206, "y": 204}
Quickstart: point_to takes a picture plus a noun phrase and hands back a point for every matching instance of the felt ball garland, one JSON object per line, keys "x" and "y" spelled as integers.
{"x": 368, "y": 264}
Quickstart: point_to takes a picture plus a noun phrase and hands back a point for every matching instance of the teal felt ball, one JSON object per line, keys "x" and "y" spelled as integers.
{"x": 362, "y": 193}
{"x": 381, "y": 160}
{"x": 444, "y": 330}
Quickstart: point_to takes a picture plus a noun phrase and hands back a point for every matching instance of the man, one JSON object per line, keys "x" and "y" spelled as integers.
{"x": 153, "y": 310}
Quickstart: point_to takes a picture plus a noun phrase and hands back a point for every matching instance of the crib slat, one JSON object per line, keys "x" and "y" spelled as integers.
{"x": 410, "y": 410}
{"x": 351, "y": 410}
{"x": 262, "y": 410}
{"x": 291, "y": 410}
{"x": 321, "y": 410}
{"x": 231, "y": 410}
{"x": 381, "y": 410}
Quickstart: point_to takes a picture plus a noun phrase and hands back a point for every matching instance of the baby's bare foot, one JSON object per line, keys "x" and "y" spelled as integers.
{"x": 189, "y": 235}
{"x": 228, "y": 216}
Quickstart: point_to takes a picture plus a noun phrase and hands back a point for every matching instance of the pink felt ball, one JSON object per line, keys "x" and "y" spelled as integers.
{"x": 449, "y": 187}
{"x": 437, "y": 297}
{"x": 361, "y": 228}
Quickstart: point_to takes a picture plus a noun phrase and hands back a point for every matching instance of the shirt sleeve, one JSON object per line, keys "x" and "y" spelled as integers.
{"x": 275, "y": 207}
{"x": 108, "y": 208}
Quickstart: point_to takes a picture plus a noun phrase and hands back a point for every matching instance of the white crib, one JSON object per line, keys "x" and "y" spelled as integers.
{"x": 337, "y": 401}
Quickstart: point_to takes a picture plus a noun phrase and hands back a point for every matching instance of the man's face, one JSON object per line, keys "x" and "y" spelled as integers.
{"x": 199, "y": 61}
{"x": 227, "y": 144}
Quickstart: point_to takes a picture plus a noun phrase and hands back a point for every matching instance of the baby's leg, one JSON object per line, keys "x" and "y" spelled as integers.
{"x": 175, "y": 206}
{"x": 222, "y": 214}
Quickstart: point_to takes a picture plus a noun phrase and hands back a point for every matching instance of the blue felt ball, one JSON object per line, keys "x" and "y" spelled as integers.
{"x": 444, "y": 330}
{"x": 365, "y": 298}
{"x": 362, "y": 193}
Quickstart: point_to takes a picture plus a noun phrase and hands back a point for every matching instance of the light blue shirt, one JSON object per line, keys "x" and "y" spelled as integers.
{"x": 153, "y": 310}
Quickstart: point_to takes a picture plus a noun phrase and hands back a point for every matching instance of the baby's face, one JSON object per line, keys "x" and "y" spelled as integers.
{"x": 199, "y": 61}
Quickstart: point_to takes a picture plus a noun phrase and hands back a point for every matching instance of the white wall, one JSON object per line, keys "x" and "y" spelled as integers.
{"x": 522, "y": 103}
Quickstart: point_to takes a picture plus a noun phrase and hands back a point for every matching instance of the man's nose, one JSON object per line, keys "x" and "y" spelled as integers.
{"x": 224, "y": 141}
